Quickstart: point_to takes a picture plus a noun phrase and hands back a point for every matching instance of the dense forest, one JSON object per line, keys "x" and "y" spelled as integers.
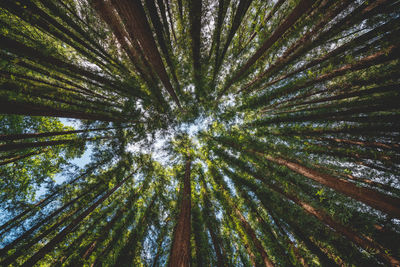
{"x": 199, "y": 133}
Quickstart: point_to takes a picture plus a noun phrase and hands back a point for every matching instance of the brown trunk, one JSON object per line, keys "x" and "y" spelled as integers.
{"x": 375, "y": 199}
{"x": 305, "y": 39}
{"x": 180, "y": 249}
{"x": 133, "y": 14}
{"x": 365, "y": 243}
{"x": 158, "y": 27}
{"x": 19, "y": 157}
{"x": 108, "y": 14}
{"x": 257, "y": 243}
{"x": 12, "y": 137}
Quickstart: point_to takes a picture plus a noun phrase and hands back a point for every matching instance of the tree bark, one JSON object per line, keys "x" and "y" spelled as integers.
{"x": 180, "y": 249}
{"x": 133, "y": 14}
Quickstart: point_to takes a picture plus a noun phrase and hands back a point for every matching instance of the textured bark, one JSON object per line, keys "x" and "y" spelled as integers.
{"x": 133, "y": 14}
{"x": 108, "y": 14}
{"x": 180, "y": 249}
{"x": 375, "y": 199}
{"x": 164, "y": 46}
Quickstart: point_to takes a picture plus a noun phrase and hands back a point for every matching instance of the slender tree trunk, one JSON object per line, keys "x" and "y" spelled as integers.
{"x": 60, "y": 236}
{"x": 365, "y": 242}
{"x": 297, "y": 12}
{"x": 12, "y": 137}
{"x": 257, "y": 243}
{"x": 20, "y": 157}
{"x": 14, "y": 146}
{"x": 239, "y": 15}
{"x": 180, "y": 249}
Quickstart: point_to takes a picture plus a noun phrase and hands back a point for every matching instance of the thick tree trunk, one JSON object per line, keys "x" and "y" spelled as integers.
{"x": 133, "y": 14}
{"x": 180, "y": 249}
{"x": 375, "y": 199}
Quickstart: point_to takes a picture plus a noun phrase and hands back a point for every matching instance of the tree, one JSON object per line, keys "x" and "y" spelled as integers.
{"x": 199, "y": 133}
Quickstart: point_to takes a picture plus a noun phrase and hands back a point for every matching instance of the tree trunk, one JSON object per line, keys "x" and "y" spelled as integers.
{"x": 254, "y": 238}
{"x": 180, "y": 249}
{"x": 60, "y": 236}
{"x": 365, "y": 243}
{"x": 12, "y": 137}
{"x": 297, "y": 12}
{"x": 375, "y": 199}
{"x": 133, "y": 14}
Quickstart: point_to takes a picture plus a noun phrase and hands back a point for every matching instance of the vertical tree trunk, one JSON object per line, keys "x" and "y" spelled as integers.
{"x": 133, "y": 14}
{"x": 180, "y": 249}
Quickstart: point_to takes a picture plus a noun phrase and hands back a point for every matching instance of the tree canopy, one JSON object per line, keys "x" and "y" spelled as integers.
{"x": 210, "y": 133}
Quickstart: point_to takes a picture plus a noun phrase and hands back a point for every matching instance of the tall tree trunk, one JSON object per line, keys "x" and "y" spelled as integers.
{"x": 365, "y": 243}
{"x": 250, "y": 231}
{"x": 60, "y": 236}
{"x": 133, "y": 14}
{"x": 297, "y": 12}
{"x": 239, "y": 15}
{"x": 14, "y": 146}
{"x": 12, "y": 137}
{"x": 375, "y": 199}
{"x": 180, "y": 249}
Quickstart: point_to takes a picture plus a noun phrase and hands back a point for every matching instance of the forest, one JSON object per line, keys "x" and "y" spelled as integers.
{"x": 199, "y": 133}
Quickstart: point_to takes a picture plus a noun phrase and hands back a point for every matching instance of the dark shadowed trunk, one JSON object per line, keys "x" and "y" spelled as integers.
{"x": 180, "y": 249}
